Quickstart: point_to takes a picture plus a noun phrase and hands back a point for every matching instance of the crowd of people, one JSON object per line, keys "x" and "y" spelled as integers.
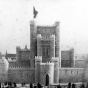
{"x": 36, "y": 86}
{"x": 14, "y": 85}
{"x": 70, "y": 85}
{"x": 73, "y": 85}
{"x": 8, "y": 85}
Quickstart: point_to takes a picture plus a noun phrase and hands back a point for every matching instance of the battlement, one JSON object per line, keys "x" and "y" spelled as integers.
{"x": 10, "y": 60}
{"x": 51, "y": 36}
{"x": 55, "y": 59}
{"x": 72, "y": 50}
{"x": 47, "y": 64}
{"x": 18, "y": 48}
{"x": 18, "y": 67}
{"x": 49, "y": 26}
{"x": 57, "y": 23}
{"x": 32, "y": 22}
{"x": 47, "y": 37}
{"x": 38, "y": 58}
{"x": 39, "y": 36}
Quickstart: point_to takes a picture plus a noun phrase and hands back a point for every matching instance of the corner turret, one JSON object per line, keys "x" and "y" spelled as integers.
{"x": 38, "y": 61}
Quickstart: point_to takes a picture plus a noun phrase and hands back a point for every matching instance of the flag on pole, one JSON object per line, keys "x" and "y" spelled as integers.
{"x": 35, "y": 12}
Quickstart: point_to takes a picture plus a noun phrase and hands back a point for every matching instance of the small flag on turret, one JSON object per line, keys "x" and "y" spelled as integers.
{"x": 35, "y": 12}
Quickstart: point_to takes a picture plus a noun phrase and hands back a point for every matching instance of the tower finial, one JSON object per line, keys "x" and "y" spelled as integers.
{"x": 6, "y": 54}
{"x": 6, "y": 51}
{"x": 26, "y": 46}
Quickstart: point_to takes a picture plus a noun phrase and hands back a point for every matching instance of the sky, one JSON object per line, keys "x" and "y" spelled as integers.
{"x": 15, "y": 17}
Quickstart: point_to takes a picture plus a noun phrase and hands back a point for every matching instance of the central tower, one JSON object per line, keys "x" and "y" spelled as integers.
{"x": 44, "y": 41}
{"x": 45, "y": 48}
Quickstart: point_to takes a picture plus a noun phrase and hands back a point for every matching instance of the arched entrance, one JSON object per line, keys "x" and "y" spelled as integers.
{"x": 47, "y": 80}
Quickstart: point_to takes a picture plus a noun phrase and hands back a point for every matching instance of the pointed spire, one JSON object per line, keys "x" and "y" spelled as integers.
{"x": 6, "y": 54}
{"x": 26, "y": 46}
{"x": 6, "y": 51}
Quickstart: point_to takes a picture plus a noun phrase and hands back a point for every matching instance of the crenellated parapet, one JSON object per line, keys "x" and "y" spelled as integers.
{"x": 39, "y": 36}
{"x": 51, "y": 37}
{"x": 38, "y": 59}
{"x": 19, "y": 67}
{"x": 47, "y": 64}
{"x": 46, "y": 38}
{"x": 55, "y": 59}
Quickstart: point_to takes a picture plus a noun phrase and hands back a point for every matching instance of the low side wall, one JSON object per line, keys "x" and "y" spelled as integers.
{"x": 20, "y": 75}
{"x": 72, "y": 75}
{"x": 66, "y": 75}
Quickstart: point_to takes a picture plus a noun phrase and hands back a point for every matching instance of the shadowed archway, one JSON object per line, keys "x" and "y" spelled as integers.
{"x": 47, "y": 80}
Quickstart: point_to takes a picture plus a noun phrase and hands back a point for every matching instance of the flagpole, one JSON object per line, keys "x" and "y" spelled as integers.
{"x": 35, "y": 12}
